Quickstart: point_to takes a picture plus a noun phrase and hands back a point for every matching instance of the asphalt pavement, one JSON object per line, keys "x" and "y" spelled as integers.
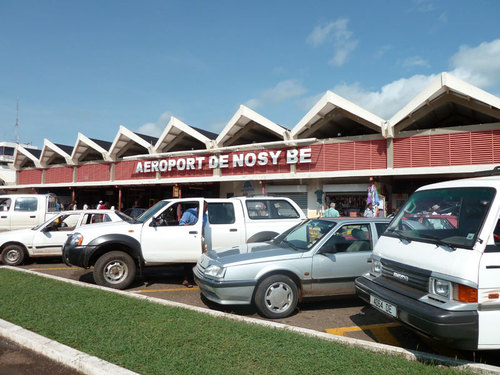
{"x": 18, "y": 360}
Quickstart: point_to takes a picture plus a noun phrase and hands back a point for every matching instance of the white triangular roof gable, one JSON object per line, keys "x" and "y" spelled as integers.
{"x": 242, "y": 117}
{"x": 443, "y": 83}
{"x": 82, "y": 144}
{"x": 22, "y": 154}
{"x": 125, "y": 135}
{"x": 328, "y": 102}
{"x": 49, "y": 149}
{"x": 172, "y": 130}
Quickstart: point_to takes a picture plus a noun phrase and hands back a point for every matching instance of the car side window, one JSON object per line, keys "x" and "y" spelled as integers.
{"x": 381, "y": 227}
{"x": 221, "y": 213}
{"x": 5, "y": 204}
{"x": 259, "y": 209}
{"x": 26, "y": 204}
{"x": 496, "y": 234}
{"x": 349, "y": 238}
{"x": 281, "y": 209}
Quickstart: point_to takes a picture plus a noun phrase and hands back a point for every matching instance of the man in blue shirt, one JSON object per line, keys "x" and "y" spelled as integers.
{"x": 190, "y": 217}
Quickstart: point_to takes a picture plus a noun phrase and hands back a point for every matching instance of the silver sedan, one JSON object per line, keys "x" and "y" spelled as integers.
{"x": 320, "y": 257}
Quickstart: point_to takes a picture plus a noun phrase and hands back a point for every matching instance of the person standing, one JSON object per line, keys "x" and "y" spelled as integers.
{"x": 369, "y": 212}
{"x": 373, "y": 195}
{"x": 331, "y": 212}
{"x": 190, "y": 217}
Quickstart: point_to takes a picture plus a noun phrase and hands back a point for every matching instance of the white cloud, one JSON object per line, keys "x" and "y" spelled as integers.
{"x": 337, "y": 35}
{"x": 478, "y": 65}
{"x": 283, "y": 91}
{"x": 475, "y": 65}
{"x": 391, "y": 97}
{"x": 155, "y": 128}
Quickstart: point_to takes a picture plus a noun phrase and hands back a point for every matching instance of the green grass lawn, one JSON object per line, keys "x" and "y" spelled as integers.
{"x": 151, "y": 338}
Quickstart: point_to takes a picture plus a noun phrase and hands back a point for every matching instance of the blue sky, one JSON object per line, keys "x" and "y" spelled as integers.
{"x": 91, "y": 66}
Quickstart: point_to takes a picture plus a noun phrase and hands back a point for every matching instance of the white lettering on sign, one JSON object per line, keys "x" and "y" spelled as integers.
{"x": 235, "y": 160}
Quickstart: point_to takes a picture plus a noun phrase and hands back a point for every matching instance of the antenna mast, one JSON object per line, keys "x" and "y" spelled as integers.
{"x": 17, "y": 121}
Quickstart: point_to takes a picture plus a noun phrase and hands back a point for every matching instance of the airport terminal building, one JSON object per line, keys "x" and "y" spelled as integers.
{"x": 449, "y": 130}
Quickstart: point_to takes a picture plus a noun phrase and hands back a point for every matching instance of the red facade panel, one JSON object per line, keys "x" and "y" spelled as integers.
{"x": 247, "y": 162}
{"x": 319, "y": 156}
{"x": 495, "y": 134}
{"x": 58, "y": 175}
{"x": 93, "y": 172}
{"x": 460, "y": 149}
{"x": 402, "y": 152}
{"x": 439, "y": 150}
{"x": 30, "y": 176}
{"x": 378, "y": 154}
{"x": 195, "y": 169}
{"x": 126, "y": 170}
{"x": 464, "y": 148}
{"x": 347, "y": 156}
{"x": 482, "y": 146}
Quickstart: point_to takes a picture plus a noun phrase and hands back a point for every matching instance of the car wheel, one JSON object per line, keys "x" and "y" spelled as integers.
{"x": 115, "y": 269}
{"x": 13, "y": 255}
{"x": 276, "y": 296}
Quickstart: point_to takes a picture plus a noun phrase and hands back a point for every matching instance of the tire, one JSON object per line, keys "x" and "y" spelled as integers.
{"x": 276, "y": 297}
{"x": 13, "y": 255}
{"x": 115, "y": 269}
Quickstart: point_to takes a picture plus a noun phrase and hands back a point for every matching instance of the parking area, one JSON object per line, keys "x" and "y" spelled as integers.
{"x": 346, "y": 316}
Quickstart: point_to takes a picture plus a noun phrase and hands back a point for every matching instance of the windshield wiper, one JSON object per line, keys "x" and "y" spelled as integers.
{"x": 399, "y": 233}
{"x": 438, "y": 240}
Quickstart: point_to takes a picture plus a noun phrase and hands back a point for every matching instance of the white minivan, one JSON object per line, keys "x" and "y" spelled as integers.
{"x": 437, "y": 266}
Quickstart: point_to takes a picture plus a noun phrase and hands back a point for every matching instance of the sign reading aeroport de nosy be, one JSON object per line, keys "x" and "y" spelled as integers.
{"x": 235, "y": 160}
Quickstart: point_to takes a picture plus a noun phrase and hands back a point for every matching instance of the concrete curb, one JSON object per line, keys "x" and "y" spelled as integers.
{"x": 74, "y": 358}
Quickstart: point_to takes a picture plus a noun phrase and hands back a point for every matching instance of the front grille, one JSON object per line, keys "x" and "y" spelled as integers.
{"x": 409, "y": 276}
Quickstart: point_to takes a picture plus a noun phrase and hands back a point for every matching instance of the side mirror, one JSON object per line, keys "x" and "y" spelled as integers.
{"x": 328, "y": 249}
{"x": 154, "y": 222}
{"x": 50, "y": 227}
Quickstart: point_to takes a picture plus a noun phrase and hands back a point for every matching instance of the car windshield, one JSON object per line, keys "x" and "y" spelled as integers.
{"x": 303, "y": 236}
{"x": 152, "y": 211}
{"x": 48, "y": 221}
{"x": 450, "y": 217}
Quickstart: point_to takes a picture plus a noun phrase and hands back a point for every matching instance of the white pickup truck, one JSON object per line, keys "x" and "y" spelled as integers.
{"x": 18, "y": 211}
{"x": 156, "y": 237}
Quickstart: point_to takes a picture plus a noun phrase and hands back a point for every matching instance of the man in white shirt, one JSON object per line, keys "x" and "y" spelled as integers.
{"x": 369, "y": 212}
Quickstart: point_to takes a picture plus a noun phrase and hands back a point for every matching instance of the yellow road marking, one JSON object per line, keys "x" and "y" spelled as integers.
{"x": 164, "y": 290}
{"x": 52, "y": 269}
{"x": 371, "y": 327}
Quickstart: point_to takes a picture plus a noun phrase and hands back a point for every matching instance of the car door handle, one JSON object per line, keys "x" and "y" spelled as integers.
{"x": 32, "y": 217}
{"x": 4, "y": 217}
{"x": 233, "y": 230}
{"x": 193, "y": 232}
{"x": 368, "y": 261}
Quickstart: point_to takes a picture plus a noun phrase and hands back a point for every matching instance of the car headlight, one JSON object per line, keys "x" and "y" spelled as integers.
{"x": 440, "y": 287}
{"x": 215, "y": 271}
{"x": 452, "y": 291}
{"x": 76, "y": 239}
{"x": 376, "y": 267}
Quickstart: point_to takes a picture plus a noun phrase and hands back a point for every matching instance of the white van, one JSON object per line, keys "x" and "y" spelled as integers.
{"x": 18, "y": 211}
{"x": 437, "y": 266}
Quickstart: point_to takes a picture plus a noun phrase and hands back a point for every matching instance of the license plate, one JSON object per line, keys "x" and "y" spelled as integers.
{"x": 383, "y": 306}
